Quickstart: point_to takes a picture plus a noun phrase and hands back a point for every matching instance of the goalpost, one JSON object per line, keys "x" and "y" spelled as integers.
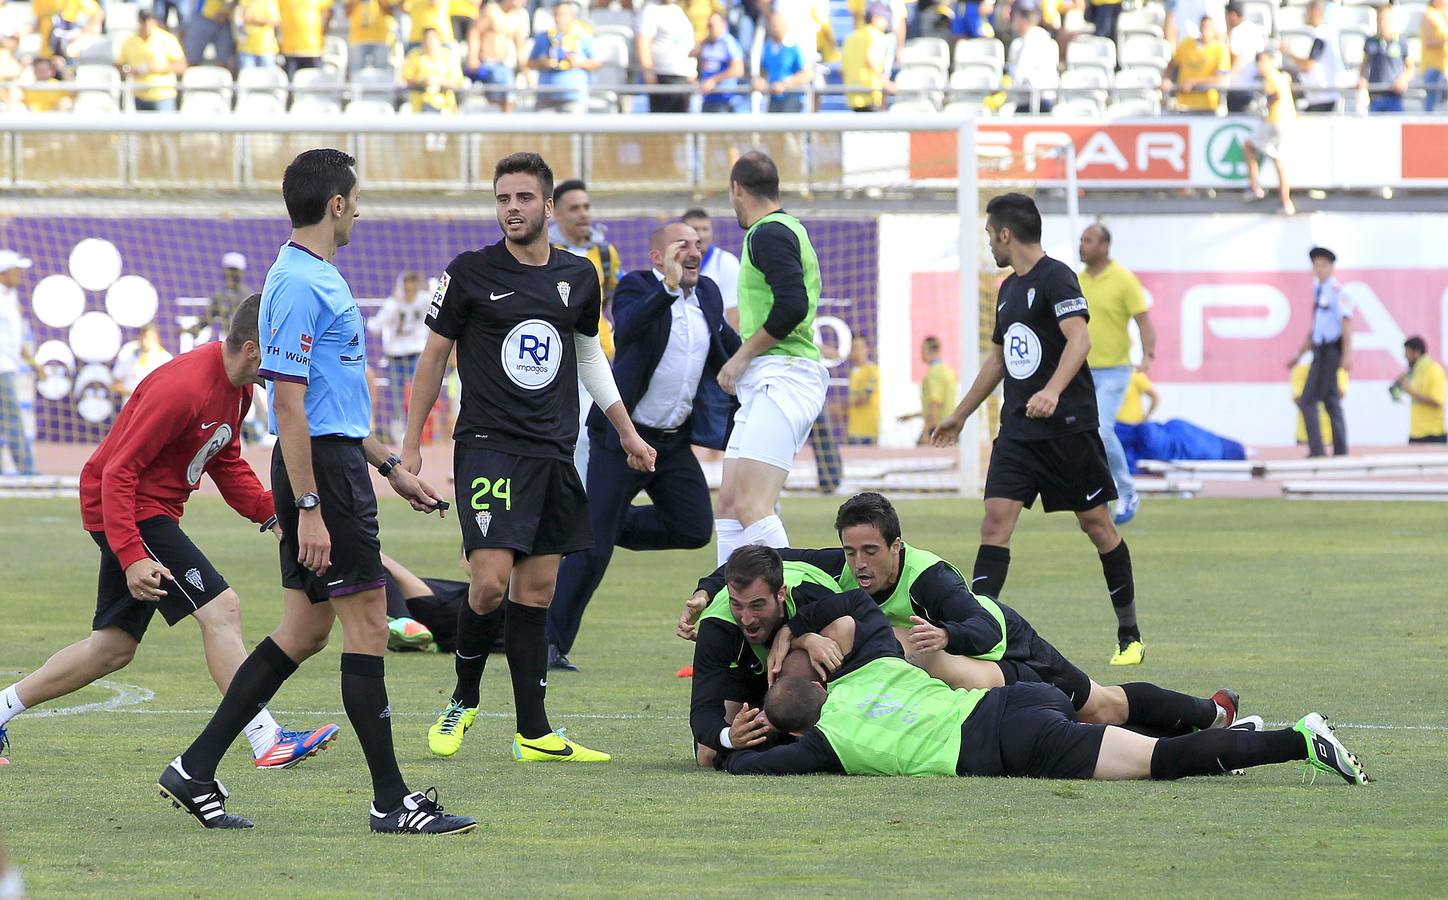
{"x": 900, "y": 259}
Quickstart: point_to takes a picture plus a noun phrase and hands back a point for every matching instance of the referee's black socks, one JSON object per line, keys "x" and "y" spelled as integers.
{"x": 1221, "y": 750}
{"x": 1121, "y": 585}
{"x": 1163, "y": 713}
{"x": 991, "y": 565}
{"x": 525, "y": 641}
{"x": 364, "y": 696}
{"x": 256, "y": 681}
{"x": 476, "y": 635}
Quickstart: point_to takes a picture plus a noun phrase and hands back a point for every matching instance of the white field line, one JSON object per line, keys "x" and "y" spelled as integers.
{"x": 126, "y": 695}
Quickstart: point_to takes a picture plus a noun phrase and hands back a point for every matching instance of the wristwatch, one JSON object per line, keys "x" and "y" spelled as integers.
{"x": 388, "y": 465}
{"x": 309, "y": 500}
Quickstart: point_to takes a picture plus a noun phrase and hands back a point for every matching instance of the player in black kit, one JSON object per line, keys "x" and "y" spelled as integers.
{"x": 1048, "y": 445}
{"x": 525, "y": 318}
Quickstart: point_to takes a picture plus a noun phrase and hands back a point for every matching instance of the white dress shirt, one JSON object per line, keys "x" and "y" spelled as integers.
{"x": 722, "y": 267}
{"x": 670, "y": 397}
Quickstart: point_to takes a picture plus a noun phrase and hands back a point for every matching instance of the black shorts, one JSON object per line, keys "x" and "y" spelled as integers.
{"x": 1028, "y": 730}
{"x": 197, "y": 582}
{"x": 437, "y": 611}
{"x": 1031, "y": 658}
{"x": 532, "y": 506}
{"x": 1067, "y": 472}
{"x": 349, "y": 510}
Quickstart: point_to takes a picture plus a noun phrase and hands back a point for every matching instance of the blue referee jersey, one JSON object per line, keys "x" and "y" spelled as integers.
{"x": 311, "y": 333}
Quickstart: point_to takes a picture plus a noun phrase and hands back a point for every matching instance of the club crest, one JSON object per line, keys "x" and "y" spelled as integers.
{"x": 193, "y": 576}
{"x": 484, "y": 519}
{"x": 564, "y": 289}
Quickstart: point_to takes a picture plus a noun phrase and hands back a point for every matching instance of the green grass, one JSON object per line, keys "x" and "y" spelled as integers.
{"x": 1299, "y": 606}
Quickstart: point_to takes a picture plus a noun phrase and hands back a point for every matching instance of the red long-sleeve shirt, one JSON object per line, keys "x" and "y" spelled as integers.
{"x": 183, "y": 419}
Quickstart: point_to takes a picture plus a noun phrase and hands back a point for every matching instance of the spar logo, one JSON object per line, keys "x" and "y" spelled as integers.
{"x": 1226, "y": 155}
{"x": 532, "y": 354}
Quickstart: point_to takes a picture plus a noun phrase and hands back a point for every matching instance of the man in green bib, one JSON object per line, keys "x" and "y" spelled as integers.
{"x": 971, "y": 641}
{"x": 757, "y": 594}
{"x": 776, "y": 374}
{"x": 883, "y": 716}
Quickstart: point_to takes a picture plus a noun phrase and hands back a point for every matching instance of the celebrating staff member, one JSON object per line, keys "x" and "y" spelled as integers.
{"x": 315, "y": 355}
{"x": 1048, "y": 444}
{"x": 672, "y": 339}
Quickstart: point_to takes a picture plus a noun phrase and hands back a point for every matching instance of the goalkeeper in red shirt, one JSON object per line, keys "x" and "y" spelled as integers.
{"x": 183, "y": 420}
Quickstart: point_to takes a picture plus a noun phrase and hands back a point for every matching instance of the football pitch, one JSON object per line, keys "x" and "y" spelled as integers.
{"x": 1336, "y": 607}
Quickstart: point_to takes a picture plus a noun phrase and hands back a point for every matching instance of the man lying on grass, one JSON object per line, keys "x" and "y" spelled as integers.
{"x": 880, "y": 715}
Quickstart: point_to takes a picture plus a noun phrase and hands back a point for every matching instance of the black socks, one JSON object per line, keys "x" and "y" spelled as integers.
{"x": 525, "y": 641}
{"x": 256, "y": 681}
{"x": 364, "y": 696}
{"x": 1221, "y": 750}
{"x": 989, "y": 575}
{"x": 1116, "y": 566}
{"x": 475, "y": 637}
{"x": 1164, "y": 712}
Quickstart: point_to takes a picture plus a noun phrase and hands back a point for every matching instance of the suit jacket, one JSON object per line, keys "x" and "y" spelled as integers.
{"x": 641, "y": 321}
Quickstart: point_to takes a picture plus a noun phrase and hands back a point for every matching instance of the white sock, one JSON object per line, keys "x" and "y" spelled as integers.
{"x": 728, "y": 533}
{"x": 10, "y": 705}
{"x": 768, "y": 531}
{"x": 262, "y": 732}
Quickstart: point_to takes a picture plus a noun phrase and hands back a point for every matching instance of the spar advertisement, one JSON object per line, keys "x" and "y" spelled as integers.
{"x": 1231, "y": 300}
{"x": 1345, "y": 152}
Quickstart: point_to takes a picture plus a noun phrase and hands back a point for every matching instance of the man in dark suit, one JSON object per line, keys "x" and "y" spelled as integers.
{"x": 671, "y": 340}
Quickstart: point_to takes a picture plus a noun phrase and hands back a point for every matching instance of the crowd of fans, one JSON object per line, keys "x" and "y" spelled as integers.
{"x": 1078, "y": 57}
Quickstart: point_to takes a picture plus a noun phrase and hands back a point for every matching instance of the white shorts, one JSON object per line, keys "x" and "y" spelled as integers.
{"x": 779, "y": 399}
{"x": 1270, "y": 140}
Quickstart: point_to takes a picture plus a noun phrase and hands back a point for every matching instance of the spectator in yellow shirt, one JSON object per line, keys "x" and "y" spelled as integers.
{"x": 433, "y": 75}
{"x": 1132, "y": 411}
{"x": 462, "y": 13}
{"x": 1433, "y": 31}
{"x": 62, "y": 22}
{"x": 44, "y": 74}
{"x": 862, "y": 424}
{"x": 1426, "y": 383}
{"x": 868, "y": 54}
{"x": 369, "y": 34}
{"x": 304, "y": 31}
{"x": 259, "y": 21}
{"x": 152, "y": 58}
{"x": 425, "y": 14}
{"x": 939, "y": 389}
{"x": 1198, "y": 68}
{"x": 211, "y": 27}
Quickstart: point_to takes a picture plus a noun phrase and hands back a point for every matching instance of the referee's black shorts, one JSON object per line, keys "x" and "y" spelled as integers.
{"x": 1028, "y": 730}
{"x": 530, "y": 505}
{"x": 196, "y": 582}
{"x": 349, "y": 510}
{"x": 1069, "y": 472}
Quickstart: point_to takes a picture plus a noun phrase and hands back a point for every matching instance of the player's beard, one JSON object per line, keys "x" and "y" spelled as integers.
{"x": 535, "y": 231}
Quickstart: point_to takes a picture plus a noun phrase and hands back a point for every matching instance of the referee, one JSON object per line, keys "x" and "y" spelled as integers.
{"x": 1048, "y": 445}
{"x": 314, "y": 353}
{"x": 525, "y": 318}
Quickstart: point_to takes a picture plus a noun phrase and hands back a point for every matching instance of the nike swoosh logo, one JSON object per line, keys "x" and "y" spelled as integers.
{"x": 542, "y": 682}
{"x": 981, "y": 578}
{"x": 566, "y": 751}
{"x": 1092, "y": 495}
{"x": 206, "y": 425}
{"x": 493, "y": 296}
{"x": 1115, "y": 592}
{"x": 1001, "y": 307}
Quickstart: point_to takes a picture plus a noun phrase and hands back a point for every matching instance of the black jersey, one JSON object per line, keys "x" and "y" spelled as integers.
{"x": 1029, "y": 309}
{"x": 514, "y": 325}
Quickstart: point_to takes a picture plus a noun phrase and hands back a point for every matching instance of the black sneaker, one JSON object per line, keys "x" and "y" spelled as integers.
{"x": 204, "y": 801}
{"x": 420, "y": 813}
{"x": 557, "y": 659}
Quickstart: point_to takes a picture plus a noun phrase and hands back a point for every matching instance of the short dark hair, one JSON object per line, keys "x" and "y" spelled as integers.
{"x": 869, "y": 508}
{"x": 243, "y": 325}
{"x": 1322, "y": 253}
{"x": 526, "y": 163}
{"x": 1236, "y": 9}
{"x": 312, "y": 180}
{"x": 1101, "y": 227}
{"x": 752, "y": 562}
{"x": 931, "y": 341}
{"x": 694, "y": 212}
{"x": 1018, "y": 213}
{"x": 144, "y": 14}
{"x": 572, "y": 184}
{"x": 757, "y": 174}
{"x": 793, "y": 704}
{"x": 1416, "y": 343}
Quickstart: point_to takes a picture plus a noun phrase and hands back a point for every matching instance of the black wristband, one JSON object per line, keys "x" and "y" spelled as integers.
{"x": 388, "y": 465}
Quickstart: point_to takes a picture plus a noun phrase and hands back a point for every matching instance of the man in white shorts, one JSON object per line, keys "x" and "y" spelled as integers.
{"x": 1273, "y": 137}
{"x": 777, "y": 374}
